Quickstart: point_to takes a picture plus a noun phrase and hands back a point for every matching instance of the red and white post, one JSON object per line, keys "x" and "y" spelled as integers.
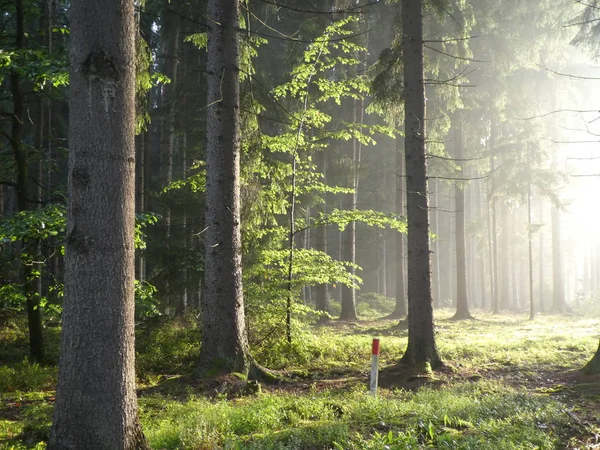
{"x": 374, "y": 365}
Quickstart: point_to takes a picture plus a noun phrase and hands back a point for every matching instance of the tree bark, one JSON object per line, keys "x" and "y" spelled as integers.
{"x": 421, "y": 350}
{"x": 224, "y": 339}
{"x": 96, "y": 405}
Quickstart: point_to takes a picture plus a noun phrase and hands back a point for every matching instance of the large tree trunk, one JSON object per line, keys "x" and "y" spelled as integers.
{"x": 593, "y": 366}
{"x": 422, "y": 349}
{"x": 224, "y": 339}
{"x": 462, "y": 296}
{"x": 96, "y": 405}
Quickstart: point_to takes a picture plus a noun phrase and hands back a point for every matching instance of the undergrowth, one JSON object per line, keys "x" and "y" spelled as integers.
{"x": 466, "y": 416}
{"x": 511, "y": 402}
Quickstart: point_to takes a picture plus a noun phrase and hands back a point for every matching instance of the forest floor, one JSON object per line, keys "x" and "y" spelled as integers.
{"x": 507, "y": 383}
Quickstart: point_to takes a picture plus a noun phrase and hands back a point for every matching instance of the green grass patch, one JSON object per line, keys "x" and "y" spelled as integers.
{"x": 466, "y": 415}
{"x": 518, "y": 400}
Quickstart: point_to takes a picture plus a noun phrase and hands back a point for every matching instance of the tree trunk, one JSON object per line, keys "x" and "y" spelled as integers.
{"x": 558, "y": 291}
{"x": 593, "y": 366}
{"x": 436, "y": 276}
{"x": 34, "y": 318}
{"x": 462, "y": 296}
{"x": 401, "y": 308}
{"x": 348, "y": 311}
{"x": 421, "y": 350}
{"x": 493, "y": 229}
{"x": 182, "y": 302}
{"x": 506, "y": 269}
{"x": 530, "y": 240}
{"x": 224, "y": 339}
{"x": 541, "y": 256}
{"x": 170, "y": 100}
{"x": 322, "y": 290}
{"x": 96, "y": 405}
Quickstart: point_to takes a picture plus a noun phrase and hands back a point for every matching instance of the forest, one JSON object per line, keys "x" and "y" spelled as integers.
{"x": 299, "y": 224}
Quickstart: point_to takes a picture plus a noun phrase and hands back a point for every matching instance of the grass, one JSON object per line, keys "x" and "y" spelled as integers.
{"x": 509, "y": 384}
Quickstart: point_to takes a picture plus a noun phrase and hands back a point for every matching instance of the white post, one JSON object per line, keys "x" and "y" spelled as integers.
{"x": 374, "y": 365}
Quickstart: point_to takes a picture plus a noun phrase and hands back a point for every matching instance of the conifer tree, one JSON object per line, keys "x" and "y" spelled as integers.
{"x": 96, "y": 404}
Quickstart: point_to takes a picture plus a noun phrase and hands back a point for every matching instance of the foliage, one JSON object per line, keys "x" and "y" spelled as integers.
{"x": 26, "y": 376}
{"x": 167, "y": 347}
{"x": 34, "y": 225}
{"x": 48, "y": 226}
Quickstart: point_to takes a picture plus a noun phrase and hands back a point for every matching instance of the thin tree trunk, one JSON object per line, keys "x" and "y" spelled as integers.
{"x": 170, "y": 100}
{"x": 224, "y": 338}
{"x": 493, "y": 231}
{"x": 541, "y": 256}
{"x": 558, "y": 291}
{"x": 182, "y": 304}
{"x": 506, "y": 269}
{"x": 529, "y": 239}
{"x": 462, "y": 296}
{"x": 322, "y": 290}
{"x": 96, "y": 404}
{"x": 348, "y": 311}
{"x": 401, "y": 308}
{"x": 141, "y": 197}
{"x": 34, "y": 319}
{"x": 422, "y": 349}
{"x": 436, "y": 276}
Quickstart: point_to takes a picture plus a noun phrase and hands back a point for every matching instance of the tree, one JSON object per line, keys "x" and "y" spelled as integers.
{"x": 422, "y": 349}
{"x": 224, "y": 338}
{"x": 23, "y": 190}
{"x": 96, "y": 405}
{"x": 462, "y": 300}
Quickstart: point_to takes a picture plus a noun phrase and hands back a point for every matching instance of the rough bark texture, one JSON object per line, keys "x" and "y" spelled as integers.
{"x": 593, "y": 366}
{"x": 421, "y": 348}
{"x": 96, "y": 405}
{"x": 224, "y": 339}
{"x": 462, "y": 295}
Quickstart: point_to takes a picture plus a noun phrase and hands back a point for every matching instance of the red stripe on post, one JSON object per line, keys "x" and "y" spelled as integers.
{"x": 375, "y": 347}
